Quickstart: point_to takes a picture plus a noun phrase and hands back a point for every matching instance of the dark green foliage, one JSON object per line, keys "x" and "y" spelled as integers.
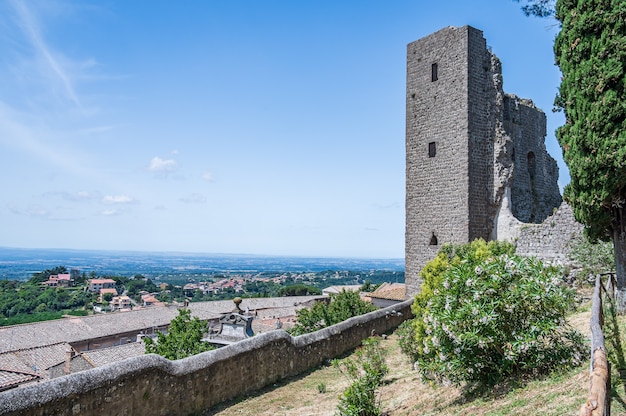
{"x": 592, "y": 257}
{"x": 590, "y": 49}
{"x": 299, "y": 290}
{"x": 26, "y": 318}
{"x": 539, "y": 8}
{"x": 183, "y": 339}
{"x": 365, "y": 371}
{"x": 22, "y": 298}
{"x": 368, "y": 286}
{"x": 341, "y": 307}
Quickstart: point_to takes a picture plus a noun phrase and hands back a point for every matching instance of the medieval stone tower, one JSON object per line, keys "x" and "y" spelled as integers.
{"x": 476, "y": 162}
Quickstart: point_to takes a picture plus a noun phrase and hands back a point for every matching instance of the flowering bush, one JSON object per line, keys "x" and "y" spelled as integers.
{"x": 432, "y": 276}
{"x": 494, "y": 315}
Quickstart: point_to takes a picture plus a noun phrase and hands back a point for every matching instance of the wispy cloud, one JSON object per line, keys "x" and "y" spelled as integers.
{"x": 31, "y": 27}
{"x": 110, "y": 212}
{"x": 31, "y": 211}
{"x": 118, "y": 199}
{"x": 194, "y": 199}
{"x": 80, "y": 196}
{"x": 41, "y": 212}
{"x": 208, "y": 177}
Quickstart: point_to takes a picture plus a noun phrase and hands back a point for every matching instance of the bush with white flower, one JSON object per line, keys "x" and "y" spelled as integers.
{"x": 492, "y": 314}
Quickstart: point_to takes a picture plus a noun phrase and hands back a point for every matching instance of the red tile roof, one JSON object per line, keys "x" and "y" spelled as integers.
{"x": 390, "y": 291}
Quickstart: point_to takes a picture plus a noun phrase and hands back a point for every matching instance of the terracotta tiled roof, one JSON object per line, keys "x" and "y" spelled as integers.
{"x": 44, "y": 357}
{"x": 101, "y": 281}
{"x": 10, "y": 379}
{"x": 339, "y": 289}
{"x": 114, "y": 354}
{"x": 34, "y": 360}
{"x": 82, "y": 328}
{"x": 26, "y": 365}
{"x": 149, "y": 298}
{"x": 390, "y": 291}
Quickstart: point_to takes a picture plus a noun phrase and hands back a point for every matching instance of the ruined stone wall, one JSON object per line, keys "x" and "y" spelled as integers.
{"x": 490, "y": 149}
{"x": 534, "y": 188}
{"x": 549, "y": 241}
{"x": 153, "y": 385}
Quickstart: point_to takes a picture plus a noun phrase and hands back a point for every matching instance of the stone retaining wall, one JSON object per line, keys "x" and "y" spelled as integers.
{"x": 153, "y": 385}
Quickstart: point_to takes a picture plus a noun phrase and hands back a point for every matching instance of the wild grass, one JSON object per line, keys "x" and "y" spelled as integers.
{"x": 403, "y": 393}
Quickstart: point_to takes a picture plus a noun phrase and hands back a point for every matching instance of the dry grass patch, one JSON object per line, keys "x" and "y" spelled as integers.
{"x": 403, "y": 393}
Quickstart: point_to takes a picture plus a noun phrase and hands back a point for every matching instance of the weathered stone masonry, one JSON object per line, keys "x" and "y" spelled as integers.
{"x": 474, "y": 155}
{"x": 152, "y": 385}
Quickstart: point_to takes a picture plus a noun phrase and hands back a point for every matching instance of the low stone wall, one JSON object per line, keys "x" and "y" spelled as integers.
{"x": 153, "y": 385}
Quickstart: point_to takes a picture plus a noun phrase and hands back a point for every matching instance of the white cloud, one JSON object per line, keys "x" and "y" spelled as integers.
{"x": 162, "y": 165}
{"x": 110, "y": 212}
{"x": 117, "y": 199}
{"x": 194, "y": 199}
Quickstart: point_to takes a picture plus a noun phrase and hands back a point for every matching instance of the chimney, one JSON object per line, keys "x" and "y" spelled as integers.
{"x": 67, "y": 369}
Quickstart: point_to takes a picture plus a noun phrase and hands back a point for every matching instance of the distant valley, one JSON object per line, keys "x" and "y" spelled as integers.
{"x": 20, "y": 264}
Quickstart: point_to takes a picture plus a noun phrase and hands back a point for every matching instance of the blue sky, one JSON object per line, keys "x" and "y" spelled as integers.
{"x": 257, "y": 127}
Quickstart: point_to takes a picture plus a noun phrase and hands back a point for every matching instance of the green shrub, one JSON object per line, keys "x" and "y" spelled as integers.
{"x": 491, "y": 315}
{"x": 341, "y": 307}
{"x": 433, "y": 275}
{"x": 183, "y": 338}
{"x": 592, "y": 257}
{"x": 366, "y": 372}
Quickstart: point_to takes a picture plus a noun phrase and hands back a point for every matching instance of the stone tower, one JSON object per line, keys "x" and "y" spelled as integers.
{"x": 476, "y": 162}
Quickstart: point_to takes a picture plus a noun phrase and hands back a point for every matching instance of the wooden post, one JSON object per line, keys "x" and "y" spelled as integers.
{"x": 599, "y": 399}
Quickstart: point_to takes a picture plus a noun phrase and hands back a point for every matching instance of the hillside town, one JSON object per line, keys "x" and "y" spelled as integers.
{"x": 40, "y": 351}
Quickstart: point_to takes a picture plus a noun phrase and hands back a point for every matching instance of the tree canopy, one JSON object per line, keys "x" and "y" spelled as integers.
{"x": 590, "y": 49}
{"x": 183, "y": 339}
{"x": 539, "y": 8}
{"x": 342, "y": 306}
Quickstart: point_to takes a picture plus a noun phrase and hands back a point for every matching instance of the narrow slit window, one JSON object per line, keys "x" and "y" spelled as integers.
{"x": 531, "y": 165}
{"x": 433, "y": 240}
{"x": 434, "y": 76}
{"x": 432, "y": 149}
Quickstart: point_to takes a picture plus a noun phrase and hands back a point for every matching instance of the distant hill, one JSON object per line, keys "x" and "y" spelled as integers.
{"x": 19, "y": 264}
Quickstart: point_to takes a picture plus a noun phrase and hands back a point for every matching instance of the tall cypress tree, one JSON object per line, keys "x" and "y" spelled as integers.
{"x": 590, "y": 49}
